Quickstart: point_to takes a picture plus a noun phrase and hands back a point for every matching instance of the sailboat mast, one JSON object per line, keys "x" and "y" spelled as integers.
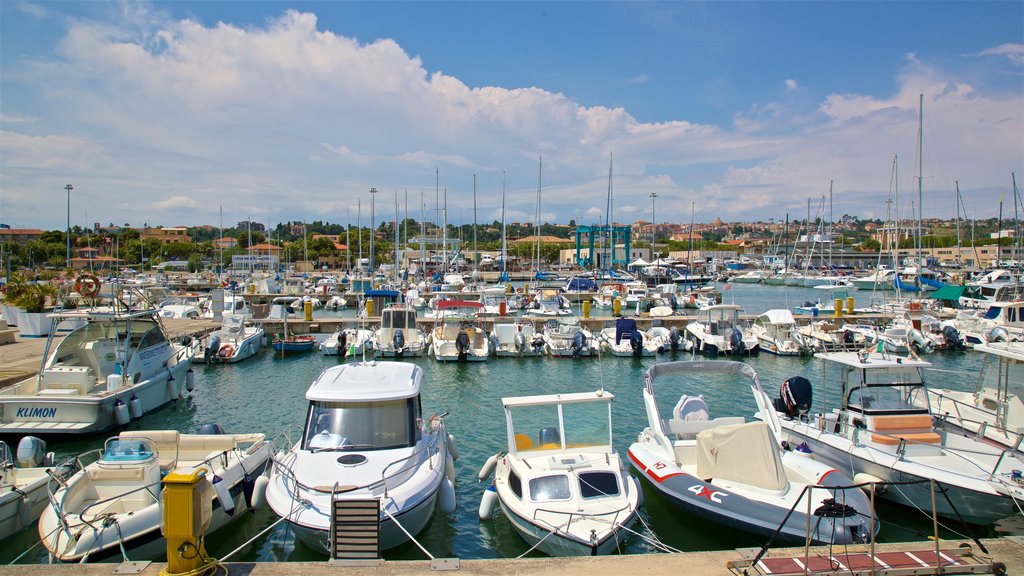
{"x": 359, "y": 229}
{"x": 689, "y": 246}
{"x": 536, "y": 224}
{"x": 920, "y": 178}
{"x": 504, "y": 248}
{"x": 348, "y": 243}
{"x": 959, "y": 247}
{"x": 396, "y": 238}
{"x": 1016, "y": 219}
{"x": 476, "y": 256}
{"x": 609, "y": 244}
{"x": 423, "y": 236}
{"x": 444, "y": 232}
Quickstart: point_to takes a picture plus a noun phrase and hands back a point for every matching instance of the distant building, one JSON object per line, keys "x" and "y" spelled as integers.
{"x": 20, "y": 236}
{"x": 225, "y": 243}
{"x": 166, "y": 235}
{"x": 250, "y": 225}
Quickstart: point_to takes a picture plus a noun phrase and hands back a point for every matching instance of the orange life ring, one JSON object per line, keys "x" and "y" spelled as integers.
{"x": 87, "y": 285}
{"x": 914, "y": 306}
{"x": 692, "y": 298}
{"x": 226, "y": 351}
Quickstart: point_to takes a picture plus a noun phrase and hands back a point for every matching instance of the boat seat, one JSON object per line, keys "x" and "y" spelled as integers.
{"x": 691, "y": 408}
{"x": 79, "y": 379}
{"x": 890, "y": 429}
{"x": 549, "y": 439}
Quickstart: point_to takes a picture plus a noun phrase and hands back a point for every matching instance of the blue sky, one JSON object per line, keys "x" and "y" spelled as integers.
{"x": 164, "y": 112}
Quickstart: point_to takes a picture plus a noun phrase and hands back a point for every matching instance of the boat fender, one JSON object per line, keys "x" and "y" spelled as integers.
{"x": 487, "y": 468}
{"x": 452, "y": 448}
{"x": 31, "y": 452}
{"x": 449, "y": 469}
{"x": 25, "y": 515}
{"x": 865, "y": 481}
{"x": 135, "y": 407}
{"x": 636, "y": 342}
{"x": 448, "y": 502}
{"x": 259, "y": 492}
{"x": 121, "y": 412}
{"x": 223, "y": 491}
{"x": 190, "y": 380}
{"x": 487, "y": 501}
{"x": 248, "y": 486}
{"x": 226, "y": 351}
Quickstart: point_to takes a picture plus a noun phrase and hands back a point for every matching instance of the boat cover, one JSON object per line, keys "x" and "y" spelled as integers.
{"x": 742, "y": 453}
{"x": 623, "y": 328}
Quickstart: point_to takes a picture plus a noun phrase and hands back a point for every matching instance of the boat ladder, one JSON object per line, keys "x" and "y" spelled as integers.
{"x": 355, "y": 530}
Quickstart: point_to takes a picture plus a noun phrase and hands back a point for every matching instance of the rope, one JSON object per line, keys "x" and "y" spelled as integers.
{"x": 406, "y": 532}
{"x": 253, "y": 539}
{"x": 209, "y": 566}
{"x": 553, "y": 530}
{"x": 32, "y": 547}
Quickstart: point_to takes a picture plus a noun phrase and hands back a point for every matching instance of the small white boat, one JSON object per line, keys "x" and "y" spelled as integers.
{"x": 736, "y": 473}
{"x": 669, "y": 339}
{"x": 625, "y": 339}
{"x": 717, "y": 330}
{"x": 458, "y": 337}
{"x": 235, "y": 340}
{"x": 336, "y": 302}
{"x": 566, "y": 338}
{"x": 23, "y": 483}
{"x": 365, "y": 440}
{"x": 347, "y": 342}
{"x": 561, "y": 484}
{"x": 549, "y": 302}
{"x": 882, "y": 432}
{"x": 399, "y": 333}
{"x": 516, "y": 339}
{"x": 114, "y": 502}
{"x": 827, "y": 336}
{"x": 774, "y": 330}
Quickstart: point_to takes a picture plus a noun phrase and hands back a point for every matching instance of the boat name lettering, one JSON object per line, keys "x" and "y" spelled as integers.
{"x": 712, "y": 495}
{"x": 152, "y": 352}
{"x": 35, "y": 412}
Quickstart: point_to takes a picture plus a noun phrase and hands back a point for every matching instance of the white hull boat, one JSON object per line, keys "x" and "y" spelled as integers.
{"x": 236, "y": 340}
{"x": 23, "y": 494}
{"x": 347, "y": 342}
{"x": 717, "y": 330}
{"x": 516, "y": 339}
{"x": 399, "y": 334}
{"x": 565, "y": 338}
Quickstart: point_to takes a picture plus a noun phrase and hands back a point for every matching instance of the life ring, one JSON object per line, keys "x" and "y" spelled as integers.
{"x": 914, "y": 306}
{"x": 692, "y": 298}
{"x": 226, "y": 351}
{"x": 87, "y": 285}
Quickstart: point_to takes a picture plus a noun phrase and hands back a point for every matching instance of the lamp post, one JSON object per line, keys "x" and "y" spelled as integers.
{"x": 373, "y": 195}
{"x": 654, "y": 222}
{"x": 69, "y": 188}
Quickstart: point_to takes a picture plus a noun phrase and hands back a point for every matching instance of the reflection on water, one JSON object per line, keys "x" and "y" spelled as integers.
{"x": 266, "y": 394}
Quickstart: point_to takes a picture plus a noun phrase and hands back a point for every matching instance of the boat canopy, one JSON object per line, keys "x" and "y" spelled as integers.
{"x": 744, "y": 453}
{"x": 367, "y": 382}
{"x": 446, "y": 304}
{"x": 776, "y": 316}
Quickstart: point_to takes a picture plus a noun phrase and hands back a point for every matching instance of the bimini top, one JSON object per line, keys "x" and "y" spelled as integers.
{"x": 872, "y": 360}
{"x": 1012, "y": 352}
{"x": 367, "y": 382}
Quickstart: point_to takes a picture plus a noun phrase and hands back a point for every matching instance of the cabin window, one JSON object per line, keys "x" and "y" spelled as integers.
{"x": 550, "y": 488}
{"x": 515, "y": 484}
{"x": 361, "y": 425}
{"x": 152, "y": 338}
{"x": 598, "y": 484}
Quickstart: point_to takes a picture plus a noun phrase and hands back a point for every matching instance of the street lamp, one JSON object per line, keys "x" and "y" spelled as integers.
{"x": 69, "y": 188}
{"x": 654, "y": 222}
{"x": 373, "y": 193}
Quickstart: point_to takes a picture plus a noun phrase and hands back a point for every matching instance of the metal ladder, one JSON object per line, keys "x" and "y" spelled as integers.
{"x": 355, "y": 529}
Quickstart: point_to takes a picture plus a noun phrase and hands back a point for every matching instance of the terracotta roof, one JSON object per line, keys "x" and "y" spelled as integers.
{"x": 20, "y": 231}
{"x": 265, "y": 247}
{"x": 543, "y": 240}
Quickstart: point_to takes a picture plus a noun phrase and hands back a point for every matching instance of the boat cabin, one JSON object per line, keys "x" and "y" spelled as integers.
{"x": 365, "y": 406}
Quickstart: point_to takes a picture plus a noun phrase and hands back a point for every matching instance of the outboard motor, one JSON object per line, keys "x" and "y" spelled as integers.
{"x": 32, "y": 453}
{"x": 343, "y": 343}
{"x": 462, "y": 345}
{"x": 211, "y": 428}
{"x": 997, "y": 334}
{"x": 952, "y": 338}
{"x": 674, "y": 339}
{"x": 736, "y": 341}
{"x": 538, "y": 343}
{"x": 520, "y": 342}
{"x": 848, "y": 337}
{"x": 212, "y": 346}
{"x": 636, "y": 343}
{"x": 795, "y": 397}
{"x": 579, "y": 342}
{"x": 399, "y": 342}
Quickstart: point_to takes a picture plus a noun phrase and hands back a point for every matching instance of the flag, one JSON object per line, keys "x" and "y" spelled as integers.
{"x": 351, "y": 350}
{"x": 880, "y": 347}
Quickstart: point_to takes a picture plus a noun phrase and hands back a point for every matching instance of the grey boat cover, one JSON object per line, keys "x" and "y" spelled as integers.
{"x": 742, "y": 453}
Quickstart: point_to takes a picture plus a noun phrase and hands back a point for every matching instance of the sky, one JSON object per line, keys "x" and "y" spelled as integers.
{"x": 173, "y": 113}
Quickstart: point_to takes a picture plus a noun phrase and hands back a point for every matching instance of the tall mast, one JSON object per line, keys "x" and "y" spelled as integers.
{"x": 1016, "y": 219}
{"x": 920, "y": 178}
{"x": 830, "y": 223}
{"x": 348, "y": 243}
{"x": 423, "y": 236}
{"x": 959, "y": 246}
{"x": 504, "y": 248}
{"x": 536, "y": 224}
{"x": 359, "y": 229}
{"x": 609, "y": 251}
{"x": 444, "y": 233}
{"x": 396, "y": 238}
{"x": 476, "y": 256}
{"x": 689, "y": 246}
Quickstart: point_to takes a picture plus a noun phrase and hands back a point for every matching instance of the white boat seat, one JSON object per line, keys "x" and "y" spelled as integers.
{"x": 78, "y": 379}
{"x": 691, "y": 408}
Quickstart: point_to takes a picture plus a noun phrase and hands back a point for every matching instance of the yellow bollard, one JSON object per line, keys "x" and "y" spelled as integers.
{"x": 307, "y": 309}
{"x": 369, "y": 308}
{"x": 838, "y": 305}
{"x": 508, "y": 288}
{"x": 849, "y": 304}
{"x": 252, "y": 288}
{"x": 188, "y": 508}
{"x": 617, "y": 307}
{"x": 586, "y": 308}
{"x": 526, "y": 289}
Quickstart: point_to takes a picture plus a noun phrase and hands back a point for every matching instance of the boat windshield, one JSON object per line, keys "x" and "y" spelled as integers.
{"x": 885, "y": 391}
{"x": 582, "y": 424}
{"x": 127, "y": 450}
{"x": 361, "y": 425}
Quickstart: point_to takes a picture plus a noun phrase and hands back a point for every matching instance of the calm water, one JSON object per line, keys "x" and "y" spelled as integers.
{"x": 266, "y": 394}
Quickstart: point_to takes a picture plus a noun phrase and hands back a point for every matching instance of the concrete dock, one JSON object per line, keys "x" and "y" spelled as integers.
{"x": 1008, "y": 551}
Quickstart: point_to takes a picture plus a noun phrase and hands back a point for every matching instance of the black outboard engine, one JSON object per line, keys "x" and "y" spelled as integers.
{"x": 579, "y": 342}
{"x": 462, "y": 345}
{"x": 736, "y": 341}
{"x": 795, "y": 397}
{"x": 848, "y": 337}
{"x": 343, "y": 343}
{"x": 538, "y": 343}
{"x": 674, "y": 339}
{"x": 399, "y": 342}
{"x": 952, "y": 338}
{"x": 211, "y": 428}
{"x": 212, "y": 346}
{"x": 636, "y": 343}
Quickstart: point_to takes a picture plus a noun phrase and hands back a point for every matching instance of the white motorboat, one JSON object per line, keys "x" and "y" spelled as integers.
{"x": 1003, "y": 321}
{"x": 774, "y": 330}
{"x": 399, "y": 334}
{"x": 880, "y": 279}
{"x": 233, "y": 303}
{"x": 878, "y": 434}
{"x": 625, "y": 339}
{"x": 113, "y": 504}
{"x": 994, "y": 410}
{"x": 669, "y": 339}
{"x": 494, "y": 300}
{"x": 606, "y": 295}
{"x": 827, "y": 336}
{"x": 347, "y": 342}
{"x": 458, "y": 337}
{"x": 566, "y": 338}
{"x": 561, "y": 484}
{"x": 516, "y": 339}
{"x": 549, "y": 302}
{"x": 114, "y": 368}
{"x": 23, "y": 483}
{"x": 717, "y": 330}
{"x": 736, "y": 473}
{"x": 365, "y": 441}
{"x": 235, "y": 340}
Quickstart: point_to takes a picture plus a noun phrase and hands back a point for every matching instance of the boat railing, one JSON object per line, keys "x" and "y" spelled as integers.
{"x": 571, "y": 516}
{"x": 412, "y": 460}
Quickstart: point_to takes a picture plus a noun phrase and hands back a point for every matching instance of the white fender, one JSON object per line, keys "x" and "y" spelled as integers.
{"x": 259, "y": 492}
{"x": 865, "y": 478}
{"x": 452, "y": 448}
{"x": 25, "y": 515}
{"x": 135, "y": 407}
{"x": 487, "y": 501}
{"x": 487, "y": 468}
{"x": 447, "y": 496}
{"x": 190, "y": 380}
{"x": 223, "y": 494}
{"x": 121, "y": 412}
{"x": 449, "y": 469}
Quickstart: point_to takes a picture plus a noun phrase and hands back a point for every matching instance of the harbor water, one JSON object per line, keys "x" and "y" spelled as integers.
{"x": 266, "y": 394}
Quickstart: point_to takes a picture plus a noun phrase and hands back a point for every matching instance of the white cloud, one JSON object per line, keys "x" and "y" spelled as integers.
{"x": 1013, "y": 52}
{"x": 176, "y": 202}
{"x": 791, "y": 84}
